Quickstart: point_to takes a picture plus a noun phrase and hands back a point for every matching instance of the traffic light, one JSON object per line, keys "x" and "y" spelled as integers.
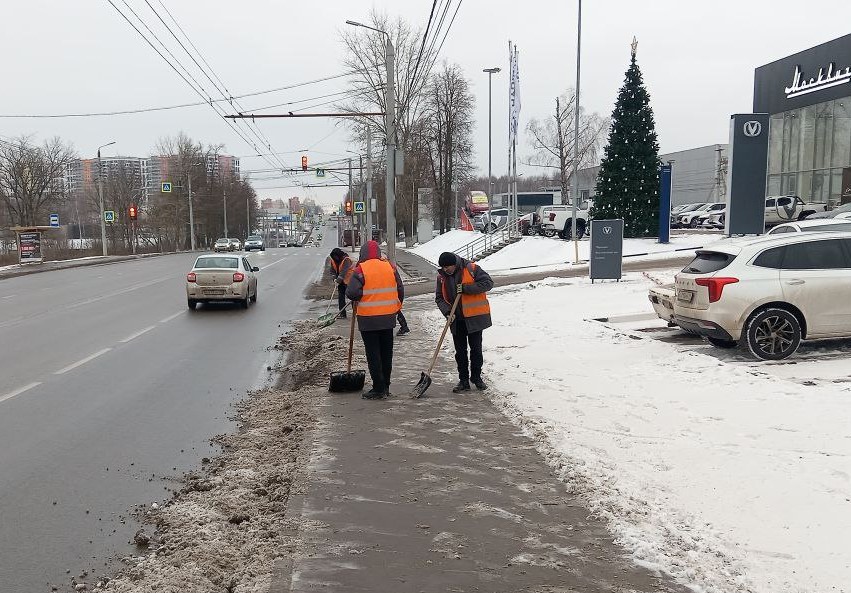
{"x": 132, "y": 212}
{"x": 348, "y": 206}
{"x": 304, "y": 163}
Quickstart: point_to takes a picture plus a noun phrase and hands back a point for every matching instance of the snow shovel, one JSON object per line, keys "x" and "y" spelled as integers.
{"x": 349, "y": 380}
{"x": 327, "y": 318}
{"x": 425, "y": 378}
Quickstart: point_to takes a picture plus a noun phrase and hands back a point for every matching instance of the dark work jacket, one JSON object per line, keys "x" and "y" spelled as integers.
{"x": 354, "y": 291}
{"x": 481, "y": 283}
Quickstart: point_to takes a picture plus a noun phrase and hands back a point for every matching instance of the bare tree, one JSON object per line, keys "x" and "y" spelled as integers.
{"x": 31, "y": 178}
{"x": 450, "y": 123}
{"x": 553, "y": 140}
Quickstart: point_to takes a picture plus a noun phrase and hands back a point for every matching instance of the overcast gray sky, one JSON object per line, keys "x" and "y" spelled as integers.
{"x": 697, "y": 58}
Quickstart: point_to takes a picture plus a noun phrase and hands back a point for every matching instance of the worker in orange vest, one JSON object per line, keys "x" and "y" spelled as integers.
{"x": 341, "y": 270}
{"x": 457, "y": 276}
{"x": 377, "y": 288}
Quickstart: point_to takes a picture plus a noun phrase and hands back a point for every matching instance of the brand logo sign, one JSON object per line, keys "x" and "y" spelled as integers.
{"x": 607, "y": 230}
{"x": 752, "y": 129}
{"x": 827, "y": 78}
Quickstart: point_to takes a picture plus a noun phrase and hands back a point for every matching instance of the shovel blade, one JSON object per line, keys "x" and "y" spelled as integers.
{"x": 342, "y": 381}
{"x": 420, "y": 388}
{"x": 327, "y": 319}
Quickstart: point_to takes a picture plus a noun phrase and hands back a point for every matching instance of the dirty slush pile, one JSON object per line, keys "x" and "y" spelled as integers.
{"x": 225, "y": 527}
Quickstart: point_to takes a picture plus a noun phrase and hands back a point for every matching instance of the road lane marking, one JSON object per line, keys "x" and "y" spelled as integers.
{"x": 12, "y": 394}
{"x": 273, "y": 263}
{"x": 90, "y": 358}
{"x": 11, "y": 296}
{"x": 137, "y": 334}
{"x": 170, "y": 317}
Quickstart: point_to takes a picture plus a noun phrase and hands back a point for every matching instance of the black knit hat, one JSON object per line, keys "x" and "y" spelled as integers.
{"x": 447, "y": 258}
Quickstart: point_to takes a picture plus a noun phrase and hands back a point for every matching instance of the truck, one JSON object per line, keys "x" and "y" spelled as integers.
{"x": 780, "y": 209}
{"x": 560, "y": 222}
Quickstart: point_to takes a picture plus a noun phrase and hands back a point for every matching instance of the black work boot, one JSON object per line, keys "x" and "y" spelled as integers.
{"x": 480, "y": 385}
{"x": 461, "y": 387}
{"x": 374, "y": 394}
{"x": 342, "y": 314}
{"x": 402, "y": 331}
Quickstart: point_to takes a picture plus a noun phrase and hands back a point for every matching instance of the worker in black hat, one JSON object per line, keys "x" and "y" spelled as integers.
{"x": 457, "y": 276}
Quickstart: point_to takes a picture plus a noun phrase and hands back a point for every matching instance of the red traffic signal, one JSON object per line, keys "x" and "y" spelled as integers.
{"x": 304, "y": 163}
{"x": 132, "y": 212}
{"x": 348, "y": 206}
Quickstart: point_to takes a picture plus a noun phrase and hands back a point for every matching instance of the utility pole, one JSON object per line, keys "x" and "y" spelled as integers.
{"x": 100, "y": 199}
{"x": 365, "y": 236}
{"x": 490, "y": 72}
{"x": 352, "y": 200}
{"x": 369, "y": 180}
{"x": 575, "y": 196}
{"x": 247, "y": 217}
{"x": 225, "y": 206}
{"x": 191, "y": 215}
{"x": 390, "y": 109}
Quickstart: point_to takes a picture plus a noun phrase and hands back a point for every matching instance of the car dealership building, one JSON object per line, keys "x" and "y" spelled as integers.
{"x": 808, "y": 98}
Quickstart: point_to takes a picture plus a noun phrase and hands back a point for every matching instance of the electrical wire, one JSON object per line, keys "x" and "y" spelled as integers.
{"x": 422, "y": 47}
{"x": 451, "y": 22}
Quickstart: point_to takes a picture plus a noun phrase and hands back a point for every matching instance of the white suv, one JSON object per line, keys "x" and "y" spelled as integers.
{"x": 768, "y": 293}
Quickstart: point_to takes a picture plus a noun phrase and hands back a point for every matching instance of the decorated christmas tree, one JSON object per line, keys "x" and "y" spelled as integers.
{"x": 628, "y": 182}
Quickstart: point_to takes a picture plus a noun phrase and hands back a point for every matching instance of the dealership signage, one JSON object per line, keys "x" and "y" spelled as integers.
{"x": 29, "y": 247}
{"x": 827, "y": 78}
{"x": 819, "y": 74}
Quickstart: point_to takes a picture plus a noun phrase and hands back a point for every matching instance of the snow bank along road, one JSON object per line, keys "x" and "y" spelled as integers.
{"x": 730, "y": 474}
{"x": 109, "y": 387}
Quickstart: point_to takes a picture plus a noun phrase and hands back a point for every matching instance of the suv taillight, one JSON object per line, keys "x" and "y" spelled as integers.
{"x": 190, "y": 277}
{"x": 716, "y": 286}
{"x": 238, "y": 276}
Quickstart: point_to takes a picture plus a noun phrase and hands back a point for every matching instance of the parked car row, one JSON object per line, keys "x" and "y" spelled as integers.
{"x": 765, "y": 294}
{"x": 778, "y": 210}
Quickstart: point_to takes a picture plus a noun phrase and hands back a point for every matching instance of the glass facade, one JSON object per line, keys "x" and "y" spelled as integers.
{"x": 807, "y": 150}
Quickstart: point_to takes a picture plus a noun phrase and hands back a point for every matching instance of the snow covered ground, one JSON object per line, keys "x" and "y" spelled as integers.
{"x": 730, "y": 474}
{"x": 541, "y": 253}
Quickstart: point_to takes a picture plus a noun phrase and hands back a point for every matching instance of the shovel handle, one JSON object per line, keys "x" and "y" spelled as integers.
{"x": 352, "y": 336}
{"x": 443, "y": 335}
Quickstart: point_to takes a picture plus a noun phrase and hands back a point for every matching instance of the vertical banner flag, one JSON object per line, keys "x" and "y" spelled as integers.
{"x": 513, "y": 93}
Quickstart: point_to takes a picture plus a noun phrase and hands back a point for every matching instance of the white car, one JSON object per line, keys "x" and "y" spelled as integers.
{"x": 768, "y": 293}
{"x": 780, "y": 209}
{"x": 812, "y": 225}
{"x": 221, "y": 277}
{"x": 714, "y": 220}
{"x": 662, "y": 298}
{"x": 560, "y": 222}
{"x": 692, "y": 218}
{"x": 254, "y": 242}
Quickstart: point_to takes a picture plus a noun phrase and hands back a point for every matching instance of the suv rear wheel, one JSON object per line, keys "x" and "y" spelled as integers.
{"x": 773, "y": 334}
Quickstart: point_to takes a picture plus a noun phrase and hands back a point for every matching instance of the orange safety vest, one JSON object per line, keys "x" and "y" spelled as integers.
{"x": 471, "y": 304}
{"x": 380, "y": 294}
{"x": 348, "y": 275}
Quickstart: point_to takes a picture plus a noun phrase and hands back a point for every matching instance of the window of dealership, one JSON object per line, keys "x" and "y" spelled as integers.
{"x": 808, "y": 97}
{"x": 808, "y": 148}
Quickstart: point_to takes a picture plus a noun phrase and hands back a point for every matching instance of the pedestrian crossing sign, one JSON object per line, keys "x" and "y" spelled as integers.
{"x": 360, "y": 207}
{"x": 166, "y": 187}
{"x": 109, "y": 215}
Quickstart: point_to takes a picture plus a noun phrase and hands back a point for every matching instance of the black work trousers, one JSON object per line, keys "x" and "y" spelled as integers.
{"x": 379, "y": 356}
{"x": 403, "y": 323}
{"x": 471, "y": 369}
{"x": 341, "y": 296}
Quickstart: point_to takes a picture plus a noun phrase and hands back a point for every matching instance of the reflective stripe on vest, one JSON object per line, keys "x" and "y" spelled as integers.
{"x": 471, "y": 304}
{"x": 380, "y": 294}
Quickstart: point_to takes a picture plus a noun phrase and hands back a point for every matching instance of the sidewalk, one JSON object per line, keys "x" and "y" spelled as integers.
{"x": 441, "y": 494}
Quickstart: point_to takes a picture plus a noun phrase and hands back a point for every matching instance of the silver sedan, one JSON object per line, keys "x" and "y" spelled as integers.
{"x": 222, "y": 277}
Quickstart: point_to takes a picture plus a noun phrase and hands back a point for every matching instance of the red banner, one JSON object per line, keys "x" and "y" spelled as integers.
{"x": 466, "y": 225}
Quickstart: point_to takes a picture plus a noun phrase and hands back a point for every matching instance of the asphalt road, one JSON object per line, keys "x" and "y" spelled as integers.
{"x": 110, "y": 388}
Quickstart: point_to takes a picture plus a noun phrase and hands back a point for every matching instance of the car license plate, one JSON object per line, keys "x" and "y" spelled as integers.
{"x": 214, "y": 291}
{"x": 685, "y": 296}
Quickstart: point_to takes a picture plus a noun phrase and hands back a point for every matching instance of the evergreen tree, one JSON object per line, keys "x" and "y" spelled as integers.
{"x": 628, "y": 182}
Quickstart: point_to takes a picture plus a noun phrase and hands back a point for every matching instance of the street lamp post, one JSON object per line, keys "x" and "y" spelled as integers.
{"x": 490, "y": 72}
{"x": 100, "y": 199}
{"x": 390, "y": 125}
{"x": 191, "y": 213}
{"x": 575, "y": 196}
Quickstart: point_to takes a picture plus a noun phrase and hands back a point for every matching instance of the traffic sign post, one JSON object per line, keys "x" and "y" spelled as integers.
{"x": 109, "y": 215}
{"x": 166, "y": 187}
{"x": 54, "y": 220}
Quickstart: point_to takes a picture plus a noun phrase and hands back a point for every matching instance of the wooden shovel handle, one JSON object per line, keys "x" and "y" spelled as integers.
{"x": 443, "y": 335}
{"x": 352, "y": 335}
